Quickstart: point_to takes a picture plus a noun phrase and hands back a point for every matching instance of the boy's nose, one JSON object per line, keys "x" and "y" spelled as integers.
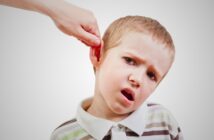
{"x": 134, "y": 81}
{"x": 135, "y": 77}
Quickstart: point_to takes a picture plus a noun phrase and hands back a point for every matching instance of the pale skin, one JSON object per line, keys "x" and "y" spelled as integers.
{"x": 69, "y": 18}
{"x": 137, "y": 64}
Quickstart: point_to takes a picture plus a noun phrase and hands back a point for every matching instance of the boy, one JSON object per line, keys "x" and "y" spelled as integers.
{"x": 136, "y": 55}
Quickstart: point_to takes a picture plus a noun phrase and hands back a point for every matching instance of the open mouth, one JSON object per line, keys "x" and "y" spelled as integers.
{"x": 128, "y": 94}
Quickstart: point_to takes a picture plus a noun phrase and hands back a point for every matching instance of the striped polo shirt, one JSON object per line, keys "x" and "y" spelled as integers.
{"x": 149, "y": 122}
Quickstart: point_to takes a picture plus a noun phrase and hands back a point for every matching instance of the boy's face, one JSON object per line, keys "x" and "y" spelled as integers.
{"x": 130, "y": 72}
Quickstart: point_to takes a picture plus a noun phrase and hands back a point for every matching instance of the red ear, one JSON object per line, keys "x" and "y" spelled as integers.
{"x": 95, "y": 54}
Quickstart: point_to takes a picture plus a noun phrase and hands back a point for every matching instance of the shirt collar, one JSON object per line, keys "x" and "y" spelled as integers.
{"x": 137, "y": 120}
{"x": 98, "y": 127}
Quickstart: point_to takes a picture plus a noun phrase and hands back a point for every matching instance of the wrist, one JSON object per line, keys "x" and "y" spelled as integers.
{"x": 46, "y": 7}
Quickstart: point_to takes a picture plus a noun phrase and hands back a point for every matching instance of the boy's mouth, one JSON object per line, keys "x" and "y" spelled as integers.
{"x": 128, "y": 94}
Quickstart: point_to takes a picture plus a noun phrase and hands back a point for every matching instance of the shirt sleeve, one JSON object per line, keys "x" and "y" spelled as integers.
{"x": 175, "y": 131}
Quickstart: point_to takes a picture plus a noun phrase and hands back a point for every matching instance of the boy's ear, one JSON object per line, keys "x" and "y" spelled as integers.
{"x": 95, "y": 54}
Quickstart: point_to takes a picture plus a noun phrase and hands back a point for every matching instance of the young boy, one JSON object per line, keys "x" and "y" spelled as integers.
{"x": 136, "y": 55}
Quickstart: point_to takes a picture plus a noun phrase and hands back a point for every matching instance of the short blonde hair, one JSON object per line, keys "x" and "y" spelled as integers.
{"x": 142, "y": 24}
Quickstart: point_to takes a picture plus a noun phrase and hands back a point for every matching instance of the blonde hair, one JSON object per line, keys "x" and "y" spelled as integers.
{"x": 142, "y": 24}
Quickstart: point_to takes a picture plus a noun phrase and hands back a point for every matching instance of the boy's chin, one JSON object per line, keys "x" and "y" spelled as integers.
{"x": 122, "y": 111}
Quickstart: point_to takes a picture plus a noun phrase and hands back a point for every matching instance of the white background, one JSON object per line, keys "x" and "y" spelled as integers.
{"x": 44, "y": 74}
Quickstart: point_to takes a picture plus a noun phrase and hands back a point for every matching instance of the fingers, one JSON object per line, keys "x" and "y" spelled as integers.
{"x": 91, "y": 31}
{"x": 83, "y": 27}
{"x": 94, "y": 29}
{"x": 89, "y": 38}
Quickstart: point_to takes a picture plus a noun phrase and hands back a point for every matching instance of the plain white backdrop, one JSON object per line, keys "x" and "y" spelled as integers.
{"x": 44, "y": 74}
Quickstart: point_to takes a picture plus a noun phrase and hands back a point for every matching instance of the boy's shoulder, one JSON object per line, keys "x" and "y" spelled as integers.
{"x": 158, "y": 115}
{"x": 69, "y": 130}
{"x": 158, "y": 111}
{"x": 155, "y": 107}
{"x": 67, "y": 123}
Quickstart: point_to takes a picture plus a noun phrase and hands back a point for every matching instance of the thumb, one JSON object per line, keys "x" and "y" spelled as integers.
{"x": 89, "y": 38}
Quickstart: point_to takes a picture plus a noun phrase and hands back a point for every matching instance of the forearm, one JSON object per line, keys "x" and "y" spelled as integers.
{"x": 43, "y": 6}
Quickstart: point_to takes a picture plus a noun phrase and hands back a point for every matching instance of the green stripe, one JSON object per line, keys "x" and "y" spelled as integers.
{"x": 160, "y": 124}
{"x": 157, "y": 115}
{"x": 74, "y": 134}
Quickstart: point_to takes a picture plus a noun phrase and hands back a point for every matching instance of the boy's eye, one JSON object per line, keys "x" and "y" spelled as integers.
{"x": 152, "y": 75}
{"x": 129, "y": 61}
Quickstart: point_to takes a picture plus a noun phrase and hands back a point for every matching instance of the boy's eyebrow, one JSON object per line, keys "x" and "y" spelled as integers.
{"x": 138, "y": 58}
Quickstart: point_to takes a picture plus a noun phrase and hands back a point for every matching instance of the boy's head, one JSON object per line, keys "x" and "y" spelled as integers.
{"x": 136, "y": 55}
{"x": 140, "y": 24}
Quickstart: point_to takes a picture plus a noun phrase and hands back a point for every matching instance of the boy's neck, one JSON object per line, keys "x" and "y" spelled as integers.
{"x": 99, "y": 108}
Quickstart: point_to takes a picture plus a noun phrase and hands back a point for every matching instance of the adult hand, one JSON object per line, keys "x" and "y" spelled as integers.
{"x": 77, "y": 22}
{"x": 69, "y": 18}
